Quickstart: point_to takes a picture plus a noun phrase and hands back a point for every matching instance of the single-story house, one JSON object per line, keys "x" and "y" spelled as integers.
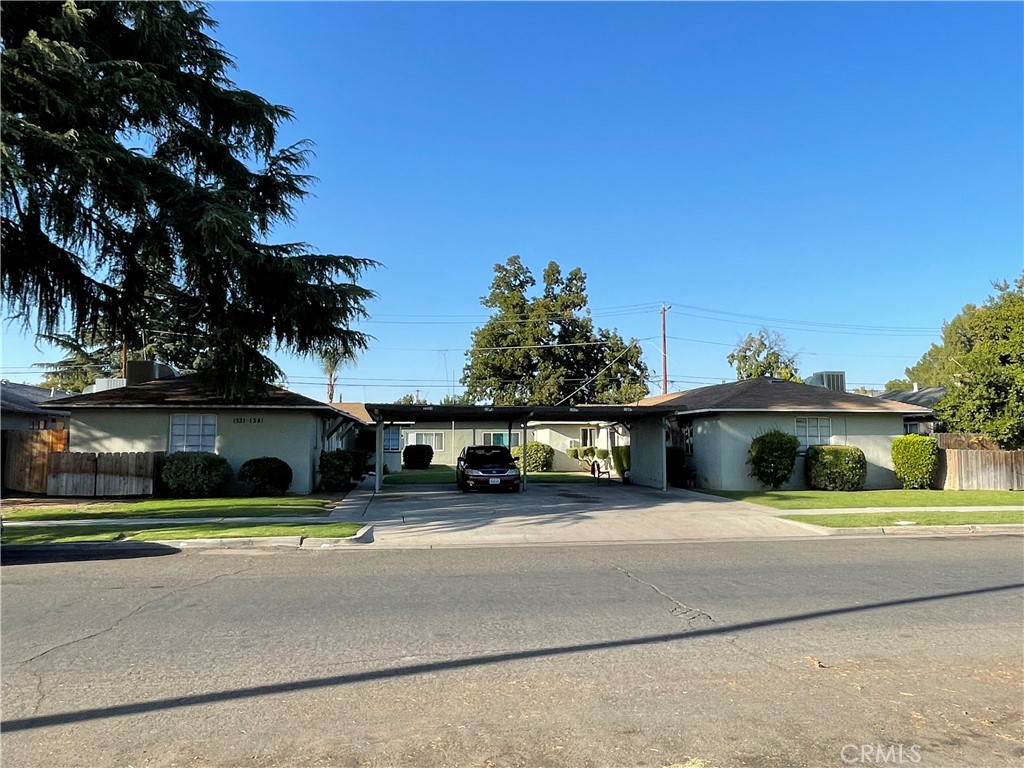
{"x": 926, "y": 397}
{"x": 715, "y": 425}
{"x": 176, "y": 414}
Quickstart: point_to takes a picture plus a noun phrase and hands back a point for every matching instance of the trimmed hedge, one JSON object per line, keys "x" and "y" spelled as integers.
{"x": 335, "y": 470}
{"x": 772, "y": 457}
{"x": 196, "y": 474}
{"x": 915, "y": 460}
{"x": 417, "y": 456}
{"x": 268, "y": 475}
{"x": 620, "y": 460}
{"x": 835, "y": 468}
{"x": 539, "y": 457}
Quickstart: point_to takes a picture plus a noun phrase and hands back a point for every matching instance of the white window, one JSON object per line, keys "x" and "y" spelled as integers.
{"x": 501, "y": 438}
{"x": 392, "y": 436}
{"x": 812, "y": 430}
{"x": 588, "y": 436}
{"x": 193, "y": 432}
{"x": 911, "y": 428}
{"x": 434, "y": 439}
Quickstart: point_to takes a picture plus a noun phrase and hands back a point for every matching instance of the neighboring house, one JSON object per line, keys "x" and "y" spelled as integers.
{"x": 565, "y": 435}
{"x": 392, "y": 433}
{"x": 715, "y": 426}
{"x": 19, "y": 407}
{"x": 927, "y": 397}
{"x": 176, "y": 414}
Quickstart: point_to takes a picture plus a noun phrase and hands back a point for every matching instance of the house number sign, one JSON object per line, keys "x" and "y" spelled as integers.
{"x": 247, "y": 420}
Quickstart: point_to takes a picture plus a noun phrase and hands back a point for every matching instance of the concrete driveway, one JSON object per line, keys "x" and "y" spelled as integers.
{"x": 558, "y": 513}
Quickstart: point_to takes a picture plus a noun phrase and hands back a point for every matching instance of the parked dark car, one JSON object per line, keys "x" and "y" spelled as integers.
{"x": 487, "y": 466}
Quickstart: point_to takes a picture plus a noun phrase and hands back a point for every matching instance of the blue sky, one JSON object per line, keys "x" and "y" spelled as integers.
{"x": 847, "y": 174}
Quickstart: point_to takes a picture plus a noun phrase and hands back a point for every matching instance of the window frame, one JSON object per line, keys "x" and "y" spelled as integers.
{"x": 205, "y": 420}
{"x": 412, "y": 438}
{"x": 806, "y": 438}
{"x": 392, "y": 439}
{"x": 514, "y": 441}
{"x": 583, "y": 440}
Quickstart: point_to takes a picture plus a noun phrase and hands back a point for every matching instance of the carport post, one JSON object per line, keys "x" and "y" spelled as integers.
{"x": 523, "y": 443}
{"x": 378, "y": 463}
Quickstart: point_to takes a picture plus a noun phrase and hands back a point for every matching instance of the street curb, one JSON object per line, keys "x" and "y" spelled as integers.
{"x": 255, "y": 542}
{"x": 363, "y": 536}
{"x": 929, "y": 530}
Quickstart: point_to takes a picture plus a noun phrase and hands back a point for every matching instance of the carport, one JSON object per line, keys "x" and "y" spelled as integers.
{"x": 647, "y": 426}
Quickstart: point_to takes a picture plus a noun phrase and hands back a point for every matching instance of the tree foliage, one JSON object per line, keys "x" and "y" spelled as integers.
{"x": 940, "y": 365}
{"x": 544, "y": 349}
{"x": 411, "y": 399}
{"x": 764, "y": 355}
{"x": 986, "y": 392}
{"x": 136, "y": 176}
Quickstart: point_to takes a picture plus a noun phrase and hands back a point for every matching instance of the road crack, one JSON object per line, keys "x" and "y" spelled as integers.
{"x": 127, "y": 616}
{"x": 680, "y": 610}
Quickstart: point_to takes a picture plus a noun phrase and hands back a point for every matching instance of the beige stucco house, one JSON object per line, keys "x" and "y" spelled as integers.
{"x": 175, "y": 414}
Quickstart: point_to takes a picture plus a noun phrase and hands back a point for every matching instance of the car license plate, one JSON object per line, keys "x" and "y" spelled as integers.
{"x": 495, "y": 481}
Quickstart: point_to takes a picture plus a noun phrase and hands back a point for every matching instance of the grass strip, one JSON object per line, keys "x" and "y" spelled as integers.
{"x": 70, "y": 534}
{"x": 888, "y": 498}
{"x": 270, "y": 506}
{"x": 920, "y": 517}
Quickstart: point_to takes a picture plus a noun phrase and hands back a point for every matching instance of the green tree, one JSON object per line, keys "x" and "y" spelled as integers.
{"x": 332, "y": 358}
{"x": 939, "y": 366}
{"x": 463, "y": 399}
{"x": 411, "y": 400}
{"x": 130, "y": 160}
{"x": 544, "y": 349}
{"x": 764, "y": 355}
{"x": 986, "y": 391}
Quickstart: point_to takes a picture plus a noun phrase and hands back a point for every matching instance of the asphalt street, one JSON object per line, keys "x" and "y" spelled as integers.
{"x": 826, "y": 652}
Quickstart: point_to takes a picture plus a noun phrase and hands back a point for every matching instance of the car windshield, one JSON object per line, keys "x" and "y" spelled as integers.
{"x": 489, "y": 457}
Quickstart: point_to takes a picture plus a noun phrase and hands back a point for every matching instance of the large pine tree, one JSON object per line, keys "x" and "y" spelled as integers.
{"x": 544, "y": 350}
{"x": 135, "y": 173}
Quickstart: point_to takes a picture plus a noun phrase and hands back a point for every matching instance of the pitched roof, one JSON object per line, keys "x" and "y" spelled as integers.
{"x": 776, "y": 395}
{"x": 184, "y": 392}
{"x": 356, "y": 410}
{"x": 926, "y": 396}
{"x": 24, "y": 398}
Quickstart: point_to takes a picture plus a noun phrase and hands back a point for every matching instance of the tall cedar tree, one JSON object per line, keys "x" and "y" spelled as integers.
{"x": 544, "y": 350}
{"x": 136, "y": 173}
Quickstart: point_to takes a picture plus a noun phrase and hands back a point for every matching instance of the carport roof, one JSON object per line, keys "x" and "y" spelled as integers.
{"x": 394, "y": 412}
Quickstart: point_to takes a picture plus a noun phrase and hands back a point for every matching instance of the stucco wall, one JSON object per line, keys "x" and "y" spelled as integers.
{"x": 561, "y": 437}
{"x": 706, "y": 460}
{"x": 647, "y": 452}
{"x": 457, "y": 439}
{"x": 293, "y": 436}
{"x": 872, "y": 433}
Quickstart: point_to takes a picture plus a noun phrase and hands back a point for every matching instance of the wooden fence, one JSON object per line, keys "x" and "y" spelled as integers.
{"x": 965, "y": 441}
{"x": 102, "y": 474}
{"x": 27, "y": 455}
{"x": 981, "y": 470}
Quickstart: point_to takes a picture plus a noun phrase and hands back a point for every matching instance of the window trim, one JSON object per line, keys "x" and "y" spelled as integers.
{"x": 583, "y": 440}
{"x": 805, "y": 439}
{"x": 395, "y": 445}
{"x": 185, "y": 444}
{"x": 411, "y": 439}
{"x": 514, "y": 441}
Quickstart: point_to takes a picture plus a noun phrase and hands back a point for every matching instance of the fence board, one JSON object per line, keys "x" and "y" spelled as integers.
{"x": 72, "y": 474}
{"x": 124, "y": 474}
{"x": 982, "y": 470}
{"x": 26, "y": 457}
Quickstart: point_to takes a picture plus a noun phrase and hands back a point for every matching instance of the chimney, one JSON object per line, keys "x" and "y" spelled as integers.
{"x": 915, "y": 387}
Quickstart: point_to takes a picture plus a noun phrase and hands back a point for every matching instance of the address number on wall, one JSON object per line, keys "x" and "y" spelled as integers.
{"x": 249, "y": 420}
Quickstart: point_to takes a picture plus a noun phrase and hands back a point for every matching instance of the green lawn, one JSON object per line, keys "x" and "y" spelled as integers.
{"x": 66, "y": 534}
{"x": 270, "y": 506}
{"x": 876, "y": 519}
{"x": 861, "y": 499}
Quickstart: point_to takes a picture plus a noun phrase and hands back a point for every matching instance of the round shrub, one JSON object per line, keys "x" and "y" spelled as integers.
{"x": 620, "y": 460}
{"x": 417, "y": 456}
{"x": 539, "y": 457}
{"x": 268, "y": 475}
{"x": 196, "y": 474}
{"x": 835, "y": 468}
{"x": 772, "y": 457}
{"x": 915, "y": 460}
{"x": 335, "y": 470}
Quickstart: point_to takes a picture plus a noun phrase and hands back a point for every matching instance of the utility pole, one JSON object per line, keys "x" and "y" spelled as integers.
{"x": 664, "y": 351}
